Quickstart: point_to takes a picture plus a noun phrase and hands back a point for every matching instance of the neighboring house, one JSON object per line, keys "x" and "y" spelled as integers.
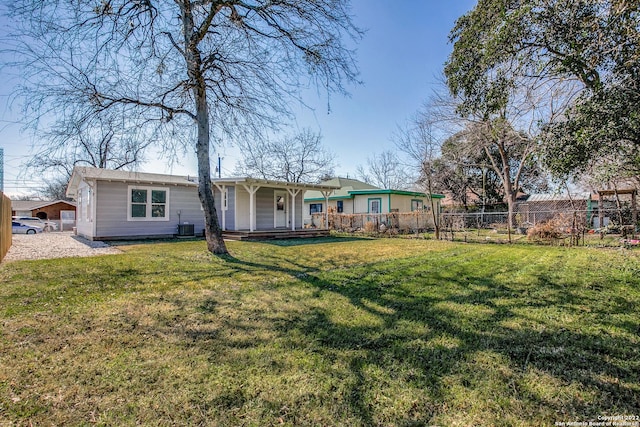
{"x": 120, "y": 204}
{"x": 536, "y": 208}
{"x": 44, "y": 210}
{"x": 61, "y": 211}
{"x": 357, "y": 197}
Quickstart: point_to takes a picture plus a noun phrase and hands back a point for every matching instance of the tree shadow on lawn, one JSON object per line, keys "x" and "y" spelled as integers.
{"x": 454, "y": 339}
{"x": 314, "y": 240}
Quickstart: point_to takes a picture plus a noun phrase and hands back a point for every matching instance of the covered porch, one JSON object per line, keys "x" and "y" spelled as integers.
{"x": 252, "y": 208}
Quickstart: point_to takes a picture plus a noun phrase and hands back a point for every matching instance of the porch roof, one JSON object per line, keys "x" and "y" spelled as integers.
{"x": 273, "y": 184}
{"x": 97, "y": 174}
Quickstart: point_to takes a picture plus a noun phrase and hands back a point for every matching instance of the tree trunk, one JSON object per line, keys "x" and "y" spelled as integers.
{"x": 511, "y": 196}
{"x": 212, "y": 231}
{"x": 436, "y": 216}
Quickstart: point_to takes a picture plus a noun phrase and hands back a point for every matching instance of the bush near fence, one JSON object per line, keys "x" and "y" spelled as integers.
{"x": 5, "y": 225}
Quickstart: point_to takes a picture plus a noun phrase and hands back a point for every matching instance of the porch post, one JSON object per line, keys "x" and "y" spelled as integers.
{"x": 326, "y": 211}
{"x": 223, "y": 190}
{"x": 293, "y": 193}
{"x": 252, "y": 189}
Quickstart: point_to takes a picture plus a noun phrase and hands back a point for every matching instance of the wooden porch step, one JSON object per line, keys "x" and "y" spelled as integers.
{"x": 274, "y": 234}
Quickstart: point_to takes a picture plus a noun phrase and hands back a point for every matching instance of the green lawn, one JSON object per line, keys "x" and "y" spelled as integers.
{"x": 341, "y": 331}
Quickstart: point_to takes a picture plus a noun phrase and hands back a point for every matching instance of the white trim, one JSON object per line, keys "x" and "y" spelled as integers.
{"x": 293, "y": 193}
{"x": 246, "y": 181}
{"x": 148, "y": 203}
{"x": 252, "y": 189}
{"x": 94, "y": 210}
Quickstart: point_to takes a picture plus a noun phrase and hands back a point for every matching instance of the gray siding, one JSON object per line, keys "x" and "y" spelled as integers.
{"x": 231, "y": 209}
{"x": 264, "y": 208}
{"x": 112, "y": 204}
{"x": 217, "y": 202}
{"x": 230, "y": 213}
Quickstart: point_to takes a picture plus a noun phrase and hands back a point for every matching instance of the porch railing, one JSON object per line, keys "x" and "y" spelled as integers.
{"x": 402, "y": 222}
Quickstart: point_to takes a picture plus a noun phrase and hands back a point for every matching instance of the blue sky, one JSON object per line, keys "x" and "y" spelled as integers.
{"x": 400, "y": 59}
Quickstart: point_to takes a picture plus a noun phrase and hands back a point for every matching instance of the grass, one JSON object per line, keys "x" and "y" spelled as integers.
{"x": 340, "y": 331}
{"x": 594, "y": 240}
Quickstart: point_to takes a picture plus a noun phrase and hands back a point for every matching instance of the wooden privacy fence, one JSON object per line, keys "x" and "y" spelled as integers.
{"x": 5, "y": 225}
{"x": 401, "y": 222}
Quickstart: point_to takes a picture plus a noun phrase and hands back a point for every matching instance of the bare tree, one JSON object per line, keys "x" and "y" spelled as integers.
{"x": 294, "y": 158}
{"x": 508, "y": 151}
{"x": 508, "y": 140}
{"x": 509, "y": 134}
{"x": 422, "y": 142}
{"x": 55, "y": 189}
{"x": 100, "y": 141}
{"x": 386, "y": 170}
{"x": 203, "y": 70}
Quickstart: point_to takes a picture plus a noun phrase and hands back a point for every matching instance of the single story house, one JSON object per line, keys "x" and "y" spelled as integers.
{"x": 114, "y": 204}
{"x": 42, "y": 209}
{"x": 356, "y": 197}
{"x": 63, "y": 212}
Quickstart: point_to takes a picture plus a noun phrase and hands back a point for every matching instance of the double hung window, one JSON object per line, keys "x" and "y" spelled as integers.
{"x": 148, "y": 204}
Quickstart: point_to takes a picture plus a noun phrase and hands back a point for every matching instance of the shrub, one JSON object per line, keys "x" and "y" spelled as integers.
{"x": 370, "y": 227}
{"x": 544, "y": 231}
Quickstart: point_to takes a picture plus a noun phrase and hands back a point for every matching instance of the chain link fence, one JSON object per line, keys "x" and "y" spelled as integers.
{"x": 560, "y": 226}
{"x": 563, "y": 225}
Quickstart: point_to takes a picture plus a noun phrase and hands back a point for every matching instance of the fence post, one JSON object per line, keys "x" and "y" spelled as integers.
{"x": 5, "y": 225}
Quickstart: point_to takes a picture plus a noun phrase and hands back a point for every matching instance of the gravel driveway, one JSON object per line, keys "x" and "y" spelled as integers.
{"x": 55, "y": 245}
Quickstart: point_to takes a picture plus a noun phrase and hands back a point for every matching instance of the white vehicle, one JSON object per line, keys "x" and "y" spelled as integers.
{"x": 32, "y": 220}
{"x": 18, "y": 228}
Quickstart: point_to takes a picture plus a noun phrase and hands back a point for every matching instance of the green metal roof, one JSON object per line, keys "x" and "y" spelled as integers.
{"x": 398, "y": 192}
{"x": 352, "y": 187}
{"x": 346, "y": 186}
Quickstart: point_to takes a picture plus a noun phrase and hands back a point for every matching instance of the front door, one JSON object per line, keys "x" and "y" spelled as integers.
{"x": 280, "y": 209}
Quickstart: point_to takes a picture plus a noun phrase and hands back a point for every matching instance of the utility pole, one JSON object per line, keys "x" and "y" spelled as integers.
{"x": 219, "y": 167}
{"x": 2, "y": 170}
